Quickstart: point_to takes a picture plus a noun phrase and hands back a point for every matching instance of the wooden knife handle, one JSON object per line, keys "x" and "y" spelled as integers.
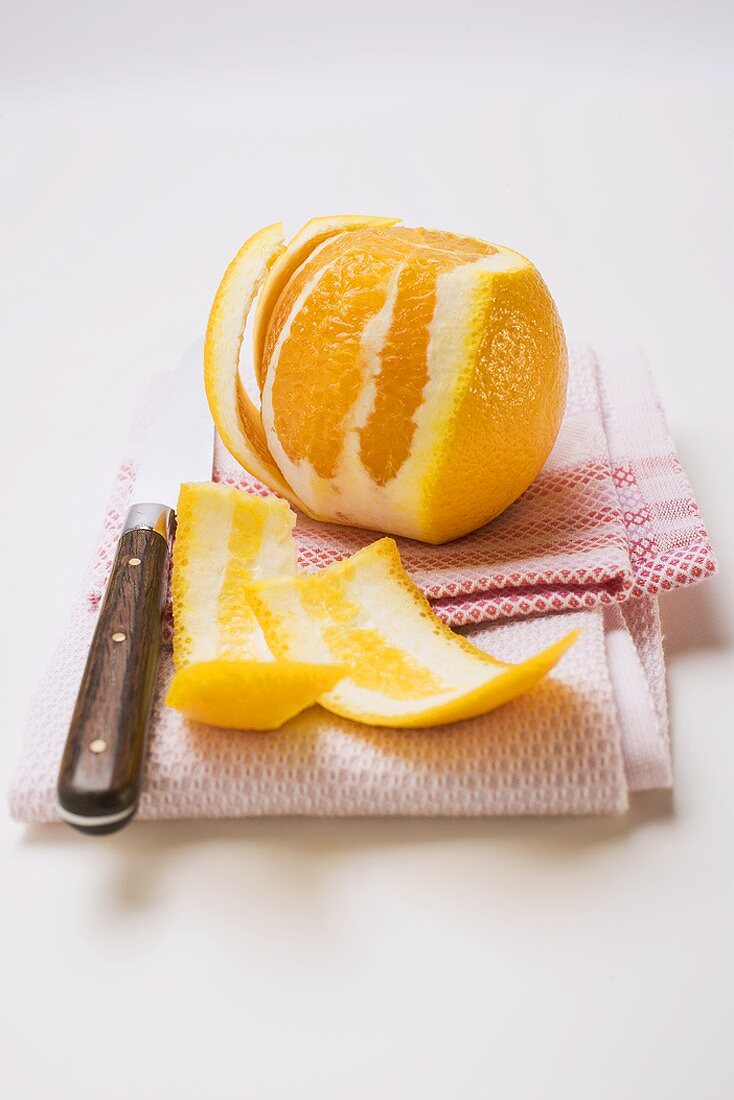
{"x": 101, "y": 769}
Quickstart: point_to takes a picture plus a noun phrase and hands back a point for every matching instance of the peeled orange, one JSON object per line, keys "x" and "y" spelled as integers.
{"x": 412, "y": 381}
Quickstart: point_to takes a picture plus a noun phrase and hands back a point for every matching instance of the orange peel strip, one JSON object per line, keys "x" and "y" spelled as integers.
{"x": 255, "y": 643}
{"x": 237, "y": 420}
{"x": 249, "y": 695}
{"x": 226, "y": 674}
{"x": 406, "y": 668}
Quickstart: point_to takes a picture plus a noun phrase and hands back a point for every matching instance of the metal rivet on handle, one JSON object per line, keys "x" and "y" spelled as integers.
{"x": 134, "y": 561}
{"x": 118, "y": 636}
{"x": 99, "y": 745}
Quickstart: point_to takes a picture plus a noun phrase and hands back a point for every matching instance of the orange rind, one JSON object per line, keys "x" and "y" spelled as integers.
{"x": 236, "y": 418}
{"x": 255, "y": 643}
{"x": 226, "y": 674}
{"x": 406, "y": 667}
{"x": 249, "y": 695}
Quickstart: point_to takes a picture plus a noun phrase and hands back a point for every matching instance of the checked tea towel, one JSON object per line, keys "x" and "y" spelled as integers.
{"x": 610, "y": 523}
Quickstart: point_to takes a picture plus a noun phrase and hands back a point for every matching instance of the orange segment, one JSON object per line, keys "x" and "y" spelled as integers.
{"x": 312, "y": 396}
{"x": 387, "y": 436}
{"x": 306, "y": 241}
{"x": 320, "y": 339}
{"x": 406, "y": 668}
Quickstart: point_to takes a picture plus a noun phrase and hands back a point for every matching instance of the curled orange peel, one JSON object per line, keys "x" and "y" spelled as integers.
{"x": 406, "y": 667}
{"x": 255, "y": 643}
{"x": 249, "y": 695}
{"x": 237, "y": 420}
{"x": 226, "y": 674}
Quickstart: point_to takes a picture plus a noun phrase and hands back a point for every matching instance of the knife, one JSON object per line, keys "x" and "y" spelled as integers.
{"x": 102, "y": 765}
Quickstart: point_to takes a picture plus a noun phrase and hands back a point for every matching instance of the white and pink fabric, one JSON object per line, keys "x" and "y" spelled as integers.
{"x": 609, "y": 524}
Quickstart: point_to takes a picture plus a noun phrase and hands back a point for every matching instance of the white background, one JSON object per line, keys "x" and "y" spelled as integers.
{"x": 517, "y": 960}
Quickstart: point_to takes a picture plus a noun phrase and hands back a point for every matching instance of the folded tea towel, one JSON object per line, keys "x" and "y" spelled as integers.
{"x": 610, "y": 516}
{"x": 576, "y": 744}
{"x": 610, "y": 522}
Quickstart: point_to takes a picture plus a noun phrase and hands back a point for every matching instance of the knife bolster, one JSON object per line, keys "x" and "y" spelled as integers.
{"x": 151, "y": 517}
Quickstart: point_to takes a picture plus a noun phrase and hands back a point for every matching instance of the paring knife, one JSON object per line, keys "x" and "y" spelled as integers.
{"x": 102, "y": 766}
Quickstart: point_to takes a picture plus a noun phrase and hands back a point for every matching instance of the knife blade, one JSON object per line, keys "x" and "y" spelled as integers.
{"x": 102, "y": 764}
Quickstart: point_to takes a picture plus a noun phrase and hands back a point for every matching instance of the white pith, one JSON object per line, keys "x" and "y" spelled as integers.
{"x": 211, "y": 552}
{"x": 277, "y": 555}
{"x": 205, "y": 571}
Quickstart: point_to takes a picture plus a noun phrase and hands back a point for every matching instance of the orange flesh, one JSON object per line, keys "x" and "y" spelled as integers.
{"x": 313, "y": 395}
{"x": 387, "y": 437}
